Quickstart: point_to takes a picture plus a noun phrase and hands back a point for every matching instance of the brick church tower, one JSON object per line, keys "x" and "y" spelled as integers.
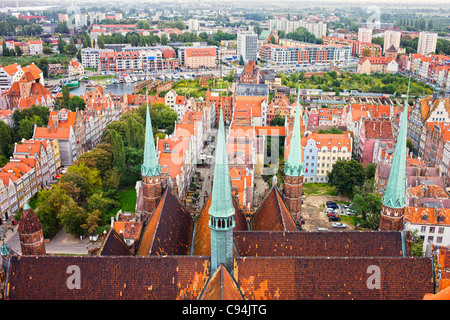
{"x": 393, "y": 201}
{"x": 294, "y": 169}
{"x": 150, "y": 170}
{"x": 30, "y": 233}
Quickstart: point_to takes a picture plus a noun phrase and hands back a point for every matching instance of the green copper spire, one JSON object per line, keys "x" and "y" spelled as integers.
{"x": 221, "y": 202}
{"x": 26, "y": 206}
{"x": 294, "y": 165}
{"x": 221, "y": 211}
{"x": 395, "y": 192}
{"x": 151, "y": 166}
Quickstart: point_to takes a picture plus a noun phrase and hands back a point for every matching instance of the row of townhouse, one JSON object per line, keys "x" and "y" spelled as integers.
{"x": 298, "y": 53}
{"x": 431, "y": 69}
{"x": 79, "y": 131}
{"x": 179, "y": 153}
{"x": 426, "y": 110}
{"x": 33, "y": 166}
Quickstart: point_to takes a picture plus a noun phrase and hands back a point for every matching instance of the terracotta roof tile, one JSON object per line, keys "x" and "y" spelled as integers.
{"x": 169, "y": 230}
{"x": 273, "y": 214}
{"x": 318, "y": 244}
{"x": 107, "y": 277}
{"x": 221, "y": 286}
{"x": 114, "y": 245}
{"x": 332, "y": 278}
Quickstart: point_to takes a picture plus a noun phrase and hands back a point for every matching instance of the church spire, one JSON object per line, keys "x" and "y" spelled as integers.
{"x": 294, "y": 166}
{"x": 221, "y": 202}
{"x": 221, "y": 210}
{"x": 393, "y": 202}
{"x": 394, "y": 194}
{"x": 151, "y": 166}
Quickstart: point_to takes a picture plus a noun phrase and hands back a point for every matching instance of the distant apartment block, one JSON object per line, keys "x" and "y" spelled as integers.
{"x": 391, "y": 37}
{"x": 318, "y": 29}
{"x": 301, "y": 53}
{"x": 427, "y": 43}
{"x": 132, "y": 59}
{"x": 365, "y": 35}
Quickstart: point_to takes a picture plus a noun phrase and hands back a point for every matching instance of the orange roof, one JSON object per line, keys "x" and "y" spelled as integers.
{"x": 17, "y": 168}
{"x": 70, "y": 122}
{"x": 31, "y": 147}
{"x": 11, "y": 69}
{"x": 200, "y": 52}
{"x": 270, "y": 131}
{"x": 5, "y": 176}
{"x": 50, "y": 133}
{"x": 185, "y": 130}
{"x": 425, "y": 215}
{"x": 428, "y": 191}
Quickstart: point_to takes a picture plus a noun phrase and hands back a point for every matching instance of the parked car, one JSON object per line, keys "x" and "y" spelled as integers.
{"x": 334, "y": 215}
{"x": 338, "y": 225}
{"x": 334, "y": 218}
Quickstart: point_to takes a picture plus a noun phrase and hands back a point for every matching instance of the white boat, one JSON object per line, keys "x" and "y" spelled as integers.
{"x": 134, "y": 78}
{"x": 127, "y": 79}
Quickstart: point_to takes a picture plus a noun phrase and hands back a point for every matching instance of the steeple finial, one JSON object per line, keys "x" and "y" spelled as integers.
{"x": 294, "y": 166}
{"x": 394, "y": 194}
{"x": 150, "y": 166}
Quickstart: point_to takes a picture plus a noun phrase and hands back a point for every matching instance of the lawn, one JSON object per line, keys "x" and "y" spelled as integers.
{"x": 127, "y": 200}
{"x": 319, "y": 189}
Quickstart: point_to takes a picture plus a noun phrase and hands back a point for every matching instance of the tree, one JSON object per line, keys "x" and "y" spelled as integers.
{"x": 72, "y": 217}
{"x": 119, "y": 151}
{"x": 48, "y": 207}
{"x": 111, "y": 179}
{"x": 76, "y": 102}
{"x": 241, "y": 61}
{"x": 5, "y": 50}
{"x": 278, "y": 120}
{"x": 97, "y": 158}
{"x": 346, "y": 174}
{"x": 100, "y": 202}
{"x": 90, "y": 175}
{"x": 71, "y": 48}
{"x": 65, "y": 96}
{"x": 92, "y": 220}
{"x": 164, "y": 39}
{"x": 61, "y": 44}
{"x": 6, "y": 140}
{"x": 370, "y": 170}
{"x": 19, "y": 51}
{"x": 416, "y": 245}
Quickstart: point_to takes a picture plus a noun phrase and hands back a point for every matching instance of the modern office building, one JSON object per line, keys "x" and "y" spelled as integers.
{"x": 247, "y": 45}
